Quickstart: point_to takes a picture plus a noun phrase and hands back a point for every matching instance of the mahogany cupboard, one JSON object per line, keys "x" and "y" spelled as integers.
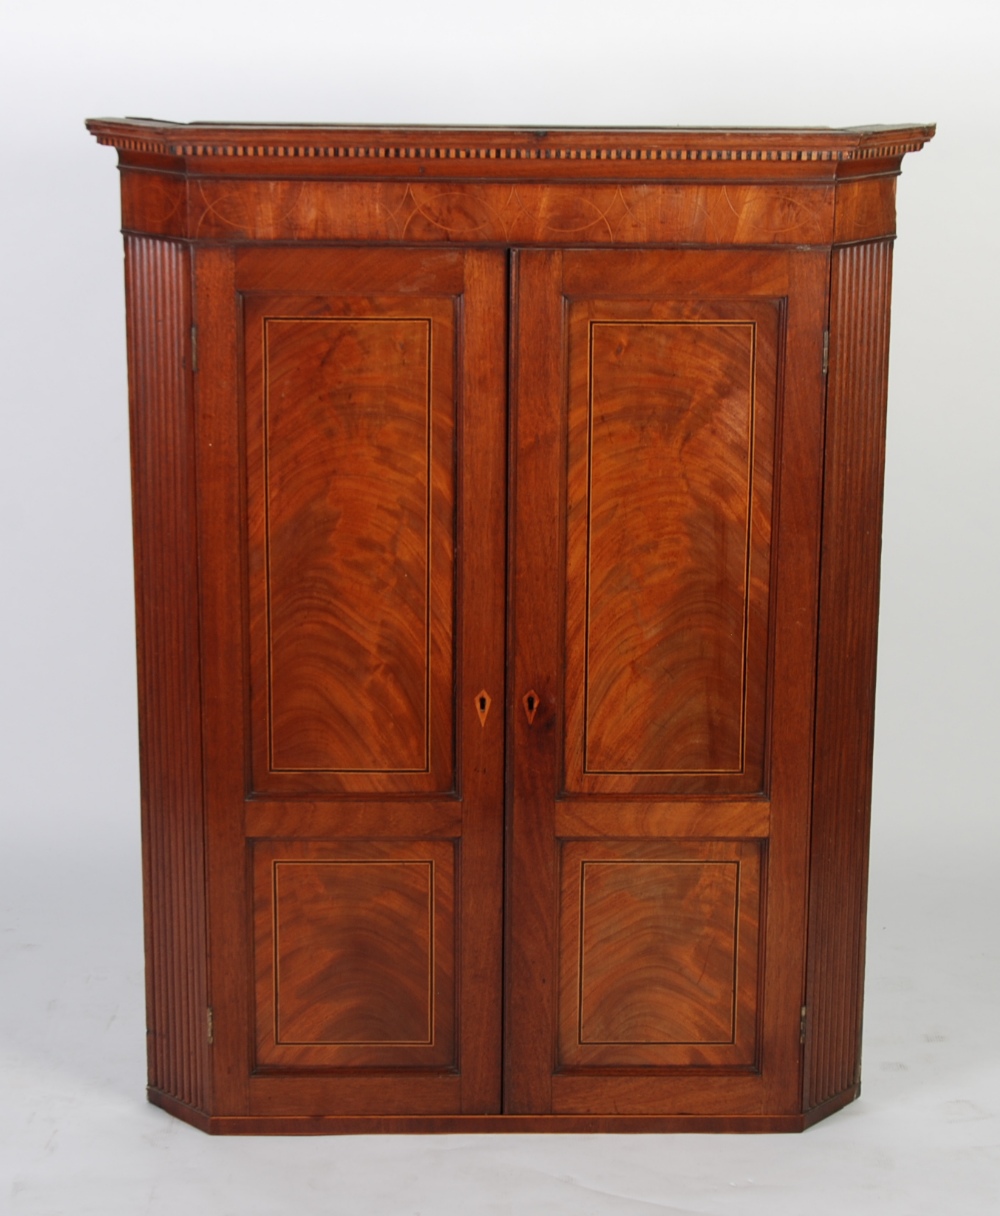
{"x": 507, "y": 515}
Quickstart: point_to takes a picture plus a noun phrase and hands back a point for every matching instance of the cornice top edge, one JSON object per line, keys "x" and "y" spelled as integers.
{"x": 514, "y": 144}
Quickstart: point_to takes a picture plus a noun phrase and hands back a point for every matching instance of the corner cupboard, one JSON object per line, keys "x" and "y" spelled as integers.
{"x": 507, "y": 516}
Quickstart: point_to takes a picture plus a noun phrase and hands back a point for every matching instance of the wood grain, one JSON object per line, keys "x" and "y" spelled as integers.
{"x": 351, "y": 503}
{"x": 698, "y": 818}
{"x": 355, "y": 954}
{"x": 866, "y": 208}
{"x": 669, "y": 526}
{"x": 348, "y": 435}
{"x": 671, "y": 424}
{"x": 489, "y": 213}
{"x": 671, "y": 451}
{"x": 659, "y": 954}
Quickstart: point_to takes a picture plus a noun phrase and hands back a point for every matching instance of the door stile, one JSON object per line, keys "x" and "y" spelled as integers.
{"x": 482, "y": 504}
{"x": 223, "y": 664}
{"x": 537, "y": 378}
{"x": 793, "y": 679}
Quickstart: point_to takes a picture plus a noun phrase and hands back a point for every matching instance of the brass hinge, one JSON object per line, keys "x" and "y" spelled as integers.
{"x": 194, "y": 348}
{"x": 826, "y": 351}
{"x": 802, "y": 1024}
{"x": 210, "y": 1024}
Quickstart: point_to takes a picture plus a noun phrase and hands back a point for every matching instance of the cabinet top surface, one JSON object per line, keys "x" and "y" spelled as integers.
{"x": 213, "y": 139}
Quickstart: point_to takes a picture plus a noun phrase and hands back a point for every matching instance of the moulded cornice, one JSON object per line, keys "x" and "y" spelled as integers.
{"x": 498, "y": 144}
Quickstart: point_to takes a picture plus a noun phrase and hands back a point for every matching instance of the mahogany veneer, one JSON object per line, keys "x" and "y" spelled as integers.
{"x": 507, "y": 523}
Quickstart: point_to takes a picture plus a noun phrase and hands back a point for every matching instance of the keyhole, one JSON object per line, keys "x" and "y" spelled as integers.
{"x": 482, "y": 705}
{"x": 530, "y": 703}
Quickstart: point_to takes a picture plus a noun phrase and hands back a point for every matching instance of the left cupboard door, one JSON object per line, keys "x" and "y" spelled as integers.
{"x": 351, "y": 469}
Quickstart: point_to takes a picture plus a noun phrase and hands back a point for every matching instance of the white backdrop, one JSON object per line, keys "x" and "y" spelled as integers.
{"x": 75, "y": 1136}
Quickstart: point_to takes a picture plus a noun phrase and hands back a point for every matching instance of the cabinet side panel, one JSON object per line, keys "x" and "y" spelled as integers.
{"x": 852, "y": 533}
{"x": 159, "y": 320}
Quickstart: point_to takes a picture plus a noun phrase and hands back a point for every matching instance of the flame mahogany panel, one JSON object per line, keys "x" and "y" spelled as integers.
{"x": 348, "y": 480}
{"x": 659, "y": 953}
{"x": 355, "y": 950}
{"x": 671, "y": 451}
{"x": 351, "y": 498}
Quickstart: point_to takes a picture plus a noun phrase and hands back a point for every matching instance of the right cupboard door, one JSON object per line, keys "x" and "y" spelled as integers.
{"x": 668, "y": 431}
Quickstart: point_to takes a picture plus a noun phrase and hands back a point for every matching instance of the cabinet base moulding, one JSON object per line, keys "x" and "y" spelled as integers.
{"x": 417, "y": 1125}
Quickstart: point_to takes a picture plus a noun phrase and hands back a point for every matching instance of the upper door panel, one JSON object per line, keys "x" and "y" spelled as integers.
{"x": 670, "y": 439}
{"x": 351, "y": 529}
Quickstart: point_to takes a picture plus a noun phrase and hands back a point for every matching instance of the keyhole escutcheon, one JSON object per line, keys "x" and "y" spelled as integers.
{"x": 530, "y": 702}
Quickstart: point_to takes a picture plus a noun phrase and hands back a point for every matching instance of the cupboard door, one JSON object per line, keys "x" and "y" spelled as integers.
{"x": 668, "y": 422}
{"x": 353, "y": 504}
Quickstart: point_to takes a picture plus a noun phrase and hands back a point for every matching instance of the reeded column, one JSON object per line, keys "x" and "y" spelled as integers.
{"x": 845, "y": 695}
{"x": 158, "y": 302}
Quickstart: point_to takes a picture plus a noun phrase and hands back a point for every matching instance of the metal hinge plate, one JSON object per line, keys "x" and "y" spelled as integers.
{"x": 210, "y": 1024}
{"x": 802, "y": 1024}
{"x": 826, "y": 351}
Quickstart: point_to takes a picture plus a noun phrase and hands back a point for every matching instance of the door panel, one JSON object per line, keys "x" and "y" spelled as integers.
{"x": 670, "y": 444}
{"x": 359, "y": 774}
{"x": 658, "y": 952}
{"x": 351, "y": 506}
{"x": 355, "y": 953}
